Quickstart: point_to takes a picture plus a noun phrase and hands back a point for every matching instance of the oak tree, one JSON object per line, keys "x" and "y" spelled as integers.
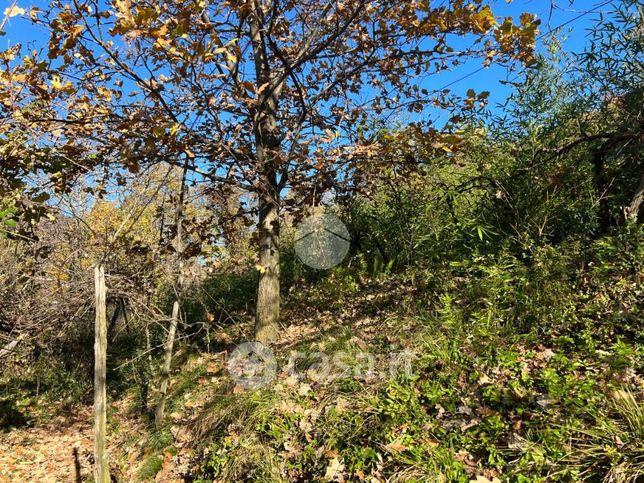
{"x": 267, "y": 96}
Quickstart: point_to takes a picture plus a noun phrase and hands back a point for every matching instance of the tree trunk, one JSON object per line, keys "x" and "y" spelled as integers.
{"x": 167, "y": 361}
{"x": 268, "y": 287}
{"x": 601, "y": 187}
{"x": 174, "y": 321}
{"x": 115, "y": 318}
{"x": 268, "y": 158}
{"x": 101, "y": 467}
{"x": 631, "y": 212}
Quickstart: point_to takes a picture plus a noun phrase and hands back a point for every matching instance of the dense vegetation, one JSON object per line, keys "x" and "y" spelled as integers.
{"x": 501, "y": 256}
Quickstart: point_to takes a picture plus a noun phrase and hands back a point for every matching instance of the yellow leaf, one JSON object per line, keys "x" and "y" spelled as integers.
{"x": 56, "y": 82}
{"x": 14, "y": 11}
{"x": 231, "y": 57}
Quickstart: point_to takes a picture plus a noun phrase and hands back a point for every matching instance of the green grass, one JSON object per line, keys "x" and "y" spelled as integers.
{"x": 151, "y": 466}
{"x": 515, "y": 377}
{"x": 523, "y": 371}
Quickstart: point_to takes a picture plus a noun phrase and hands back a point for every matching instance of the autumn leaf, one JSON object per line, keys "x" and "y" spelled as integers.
{"x": 483, "y": 479}
{"x": 14, "y": 11}
{"x": 56, "y": 82}
{"x": 334, "y": 471}
{"x": 249, "y": 86}
{"x": 396, "y": 447}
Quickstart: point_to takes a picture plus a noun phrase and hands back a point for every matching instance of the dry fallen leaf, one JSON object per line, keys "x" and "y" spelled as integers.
{"x": 483, "y": 479}
{"x": 484, "y": 380}
{"x": 334, "y": 472}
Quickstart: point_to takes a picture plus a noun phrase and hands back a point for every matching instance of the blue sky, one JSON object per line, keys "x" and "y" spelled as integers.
{"x": 562, "y": 12}
{"x": 553, "y": 13}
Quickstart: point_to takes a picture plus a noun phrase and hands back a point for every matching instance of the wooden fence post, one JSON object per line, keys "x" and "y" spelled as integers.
{"x": 167, "y": 364}
{"x": 176, "y": 308}
{"x": 101, "y": 466}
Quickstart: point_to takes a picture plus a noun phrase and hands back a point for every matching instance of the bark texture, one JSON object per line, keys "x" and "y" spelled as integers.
{"x": 176, "y": 307}
{"x": 267, "y": 151}
{"x": 268, "y": 288}
{"x": 167, "y": 363}
{"x": 101, "y": 465}
{"x": 632, "y": 211}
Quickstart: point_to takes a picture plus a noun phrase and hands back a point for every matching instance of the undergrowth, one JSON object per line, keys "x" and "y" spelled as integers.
{"x": 523, "y": 370}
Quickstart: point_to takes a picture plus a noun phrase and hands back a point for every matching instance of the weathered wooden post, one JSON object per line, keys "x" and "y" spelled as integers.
{"x": 101, "y": 466}
{"x": 176, "y": 308}
{"x": 167, "y": 364}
